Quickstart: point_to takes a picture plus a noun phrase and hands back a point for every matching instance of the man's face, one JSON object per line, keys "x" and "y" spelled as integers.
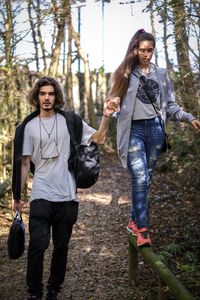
{"x": 145, "y": 53}
{"x": 46, "y": 98}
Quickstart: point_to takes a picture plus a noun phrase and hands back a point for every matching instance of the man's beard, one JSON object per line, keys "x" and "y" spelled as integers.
{"x": 47, "y": 109}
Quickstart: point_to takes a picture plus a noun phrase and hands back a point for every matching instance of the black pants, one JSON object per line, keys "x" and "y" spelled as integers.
{"x": 44, "y": 215}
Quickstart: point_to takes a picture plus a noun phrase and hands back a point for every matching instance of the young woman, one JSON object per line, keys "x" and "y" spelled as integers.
{"x": 143, "y": 97}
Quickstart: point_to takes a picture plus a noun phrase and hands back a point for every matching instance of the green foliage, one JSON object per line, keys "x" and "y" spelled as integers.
{"x": 190, "y": 257}
{"x": 173, "y": 3}
{"x": 101, "y": 70}
{"x": 174, "y": 249}
{"x": 184, "y": 157}
{"x": 187, "y": 268}
{"x": 187, "y": 259}
{"x": 164, "y": 256}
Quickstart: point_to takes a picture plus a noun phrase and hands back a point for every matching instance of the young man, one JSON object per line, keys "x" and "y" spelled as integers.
{"x": 43, "y": 140}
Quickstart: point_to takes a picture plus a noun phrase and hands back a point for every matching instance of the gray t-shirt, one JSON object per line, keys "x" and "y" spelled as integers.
{"x": 143, "y": 108}
{"x": 48, "y": 144}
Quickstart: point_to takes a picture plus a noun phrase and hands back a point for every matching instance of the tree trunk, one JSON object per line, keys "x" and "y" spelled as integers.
{"x": 9, "y": 86}
{"x": 89, "y": 105}
{"x": 153, "y": 28}
{"x": 36, "y": 55}
{"x": 41, "y": 42}
{"x": 8, "y": 33}
{"x": 187, "y": 81}
{"x": 81, "y": 83}
{"x": 69, "y": 81}
{"x": 60, "y": 21}
{"x": 165, "y": 36}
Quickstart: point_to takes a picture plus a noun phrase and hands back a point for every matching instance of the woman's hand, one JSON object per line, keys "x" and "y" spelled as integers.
{"x": 196, "y": 124}
{"x": 111, "y": 105}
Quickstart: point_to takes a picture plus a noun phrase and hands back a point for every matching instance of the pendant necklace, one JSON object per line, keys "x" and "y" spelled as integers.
{"x": 48, "y": 133}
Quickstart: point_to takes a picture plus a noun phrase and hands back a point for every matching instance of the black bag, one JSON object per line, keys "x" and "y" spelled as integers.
{"x": 16, "y": 237}
{"x": 86, "y": 165}
{"x": 84, "y": 160}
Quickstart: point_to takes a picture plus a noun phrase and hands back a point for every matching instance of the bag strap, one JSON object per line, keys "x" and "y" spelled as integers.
{"x": 142, "y": 81}
{"x": 70, "y": 126}
{"x": 75, "y": 127}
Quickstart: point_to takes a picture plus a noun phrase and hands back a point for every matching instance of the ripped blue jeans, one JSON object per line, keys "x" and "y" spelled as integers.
{"x": 146, "y": 140}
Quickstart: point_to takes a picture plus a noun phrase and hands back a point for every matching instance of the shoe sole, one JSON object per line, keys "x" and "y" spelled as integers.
{"x": 131, "y": 231}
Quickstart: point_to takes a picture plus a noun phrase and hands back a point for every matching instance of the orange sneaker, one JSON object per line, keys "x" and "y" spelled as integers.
{"x": 143, "y": 237}
{"x": 132, "y": 227}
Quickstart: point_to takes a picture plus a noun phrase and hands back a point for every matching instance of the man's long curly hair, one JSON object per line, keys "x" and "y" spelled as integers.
{"x": 121, "y": 76}
{"x": 45, "y": 81}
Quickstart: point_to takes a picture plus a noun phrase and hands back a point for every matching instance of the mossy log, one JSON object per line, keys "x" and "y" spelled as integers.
{"x": 167, "y": 277}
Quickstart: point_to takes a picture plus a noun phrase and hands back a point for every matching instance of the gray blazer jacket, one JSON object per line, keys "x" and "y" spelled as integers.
{"x": 169, "y": 109}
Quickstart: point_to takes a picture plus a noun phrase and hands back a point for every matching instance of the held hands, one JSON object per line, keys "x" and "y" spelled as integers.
{"x": 196, "y": 124}
{"x": 111, "y": 105}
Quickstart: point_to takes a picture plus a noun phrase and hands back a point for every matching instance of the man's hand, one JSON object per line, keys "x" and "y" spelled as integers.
{"x": 196, "y": 124}
{"x": 17, "y": 205}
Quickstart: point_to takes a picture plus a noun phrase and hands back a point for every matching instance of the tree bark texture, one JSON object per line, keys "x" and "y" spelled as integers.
{"x": 89, "y": 105}
{"x": 35, "y": 43}
{"x": 152, "y": 19}
{"x": 8, "y": 33}
{"x": 69, "y": 81}
{"x": 60, "y": 15}
{"x": 41, "y": 42}
{"x": 187, "y": 80}
{"x": 165, "y": 35}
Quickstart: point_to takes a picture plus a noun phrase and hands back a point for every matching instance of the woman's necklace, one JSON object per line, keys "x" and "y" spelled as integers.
{"x": 48, "y": 133}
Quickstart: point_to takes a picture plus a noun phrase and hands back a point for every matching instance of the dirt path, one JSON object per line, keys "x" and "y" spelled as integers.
{"x": 98, "y": 252}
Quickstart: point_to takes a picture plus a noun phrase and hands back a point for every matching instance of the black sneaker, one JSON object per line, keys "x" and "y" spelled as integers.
{"x": 52, "y": 295}
{"x": 33, "y": 297}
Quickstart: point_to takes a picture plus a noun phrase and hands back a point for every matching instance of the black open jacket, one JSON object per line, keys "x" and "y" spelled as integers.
{"x": 18, "y": 147}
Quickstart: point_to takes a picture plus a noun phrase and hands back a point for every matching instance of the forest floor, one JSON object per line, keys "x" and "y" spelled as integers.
{"x": 98, "y": 251}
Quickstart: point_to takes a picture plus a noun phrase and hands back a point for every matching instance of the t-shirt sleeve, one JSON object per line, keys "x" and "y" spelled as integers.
{"x": 27, "y": 143}
{"x": 87, "y": 133}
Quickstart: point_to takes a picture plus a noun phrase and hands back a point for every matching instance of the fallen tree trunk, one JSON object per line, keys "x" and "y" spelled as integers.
{"x": 162, "y": 270}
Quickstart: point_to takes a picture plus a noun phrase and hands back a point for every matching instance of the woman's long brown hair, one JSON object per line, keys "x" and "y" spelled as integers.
{"x": 121, "y": 76}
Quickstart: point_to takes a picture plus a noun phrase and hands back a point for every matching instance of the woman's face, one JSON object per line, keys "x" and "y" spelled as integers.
{"x": 145, "y": 53}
